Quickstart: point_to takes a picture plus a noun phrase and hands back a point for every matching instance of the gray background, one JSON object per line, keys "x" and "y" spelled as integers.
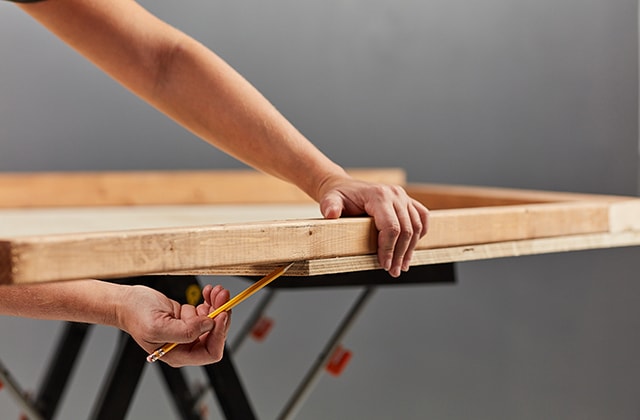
{"x": 512, "y": 93}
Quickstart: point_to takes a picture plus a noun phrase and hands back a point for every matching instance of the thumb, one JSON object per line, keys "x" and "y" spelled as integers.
{"x": 332, "y": 205}
{"x": 189, "y": 330}
{"x": 206, "y": 324}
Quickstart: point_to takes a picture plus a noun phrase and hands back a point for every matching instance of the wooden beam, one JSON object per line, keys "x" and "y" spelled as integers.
{"x": 438, "y": 197}
{"x": 134, "y": 252}
{"x": 130, "y": 253}
{"x": 51, "y": 189}
{"x": 40, "y": 222}
{"x": 120, "y": 240}
{"x": 624, "y": 215}
{"x": 504, "y": 223}
{"x": 441, "y": 255}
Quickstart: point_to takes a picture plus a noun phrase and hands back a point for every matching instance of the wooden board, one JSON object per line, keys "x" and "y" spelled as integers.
{"x": 46, "y": 244}
{"x": 439, "y": 255}
{"x": 463, "y": 196}
{"x": 16, "y": 223}
{"x": 69, "y": 189}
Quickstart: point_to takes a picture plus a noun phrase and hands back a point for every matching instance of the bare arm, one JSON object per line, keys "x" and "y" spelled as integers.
{"x": 88, "y": 301}
{"x": 193, "y": 86}
{"x": 188, "y": 82}
{"x": 150, "y": 317}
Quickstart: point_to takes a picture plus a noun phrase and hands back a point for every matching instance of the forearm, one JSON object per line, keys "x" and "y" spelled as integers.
{"x": 203, "y": 93}
{"x": 189, "y": 83}
{"x": 89, "y": 301}
{"x": 192, "y": 85}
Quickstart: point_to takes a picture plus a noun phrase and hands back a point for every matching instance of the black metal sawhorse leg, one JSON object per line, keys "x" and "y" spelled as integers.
{"x": 118, "y": 389}
{"x": 128, "y": 364}
{"x": 130, "y": 360}
{"x": 127, "y": 369}
{"x": 313, "y": 375}
{"x": 60, "y": 368}
{"x": 229, "y": 390}
{"x": 371, "y": 280}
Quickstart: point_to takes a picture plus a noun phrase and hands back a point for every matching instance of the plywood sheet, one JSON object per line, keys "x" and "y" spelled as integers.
{"x": 15, "y": 223}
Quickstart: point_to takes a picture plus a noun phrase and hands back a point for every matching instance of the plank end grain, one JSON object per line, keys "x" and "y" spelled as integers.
{"x": 6, "y": 263}
{"x": 624, "y": 216}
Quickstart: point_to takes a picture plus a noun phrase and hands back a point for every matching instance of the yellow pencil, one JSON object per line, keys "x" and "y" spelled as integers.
{"x": 228, "y": 305}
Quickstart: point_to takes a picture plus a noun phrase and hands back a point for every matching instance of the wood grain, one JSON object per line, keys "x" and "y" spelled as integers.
{"x": 140, "y": 251}
{"x": 66, "y": 220}
{"x": 439, "y": 196}
{"x": 441, "y": 255}
{"x": 126, "y": 238}
{"x": 68, "y": 189}
{"x": 126, "y": 253}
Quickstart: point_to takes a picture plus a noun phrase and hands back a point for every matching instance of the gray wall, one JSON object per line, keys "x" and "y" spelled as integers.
{"x": 514, "y": 93}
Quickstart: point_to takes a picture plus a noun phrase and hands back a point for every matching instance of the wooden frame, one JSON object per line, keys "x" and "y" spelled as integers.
{"x": 465, "y": 223}
{"x": 69, "y": 189}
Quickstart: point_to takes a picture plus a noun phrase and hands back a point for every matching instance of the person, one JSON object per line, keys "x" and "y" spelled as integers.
{"x": 192, "y": 85}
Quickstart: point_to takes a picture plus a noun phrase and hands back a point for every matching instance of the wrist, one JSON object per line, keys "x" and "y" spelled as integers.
{"x": 107, "y": 303}
{"x": 326, "y": 181}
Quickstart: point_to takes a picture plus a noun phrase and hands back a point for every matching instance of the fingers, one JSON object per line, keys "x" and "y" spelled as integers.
{"x": 207, "y": 349}
{"x": 388, "y": 226}
{"x": 208, "y": 346}
{"x": 214, "y": 341}
{"x": 218, "y": 297}
{"x": 185, "y": 329}
{"x": 400, "y": 220}
{"x": 214, "y": 297}
{"x": 400, "y": 227}
{"x": 331, "y": 206}
{"x": 206, "y": 293}
{"x": 402, "y": 250}
{"x": 419, "y": 222}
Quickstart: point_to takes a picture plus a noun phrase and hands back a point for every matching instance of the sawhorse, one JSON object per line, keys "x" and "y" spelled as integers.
{"x": 129, "y": 359}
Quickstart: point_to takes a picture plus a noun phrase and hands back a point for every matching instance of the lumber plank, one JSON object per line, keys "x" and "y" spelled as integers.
{"x": 174, "y": 229}
{"x": 504, "y": 223}
{"x": 49, "y": 189}
{"x": 624, "y": 215}
{"x": 140, "y": 251}
{"x": 476, "y": 252}
{"x": 128, "y": 253}
{"x": 66, "y": 220}
{"x": 438, "y": 196}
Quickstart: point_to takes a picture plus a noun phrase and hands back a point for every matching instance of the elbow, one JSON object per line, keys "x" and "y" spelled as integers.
{"x": 162, "y": 66}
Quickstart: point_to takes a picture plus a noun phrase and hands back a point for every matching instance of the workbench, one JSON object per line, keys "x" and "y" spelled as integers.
{"x": 165, "y": 228}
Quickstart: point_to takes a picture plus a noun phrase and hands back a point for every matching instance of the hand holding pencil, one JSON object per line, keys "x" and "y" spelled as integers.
{"x": 161, "y": 351}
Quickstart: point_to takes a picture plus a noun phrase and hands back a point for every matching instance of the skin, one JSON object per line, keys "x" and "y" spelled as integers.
{"x": 196, "y": 88}
{"x": 147, "y": 315}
